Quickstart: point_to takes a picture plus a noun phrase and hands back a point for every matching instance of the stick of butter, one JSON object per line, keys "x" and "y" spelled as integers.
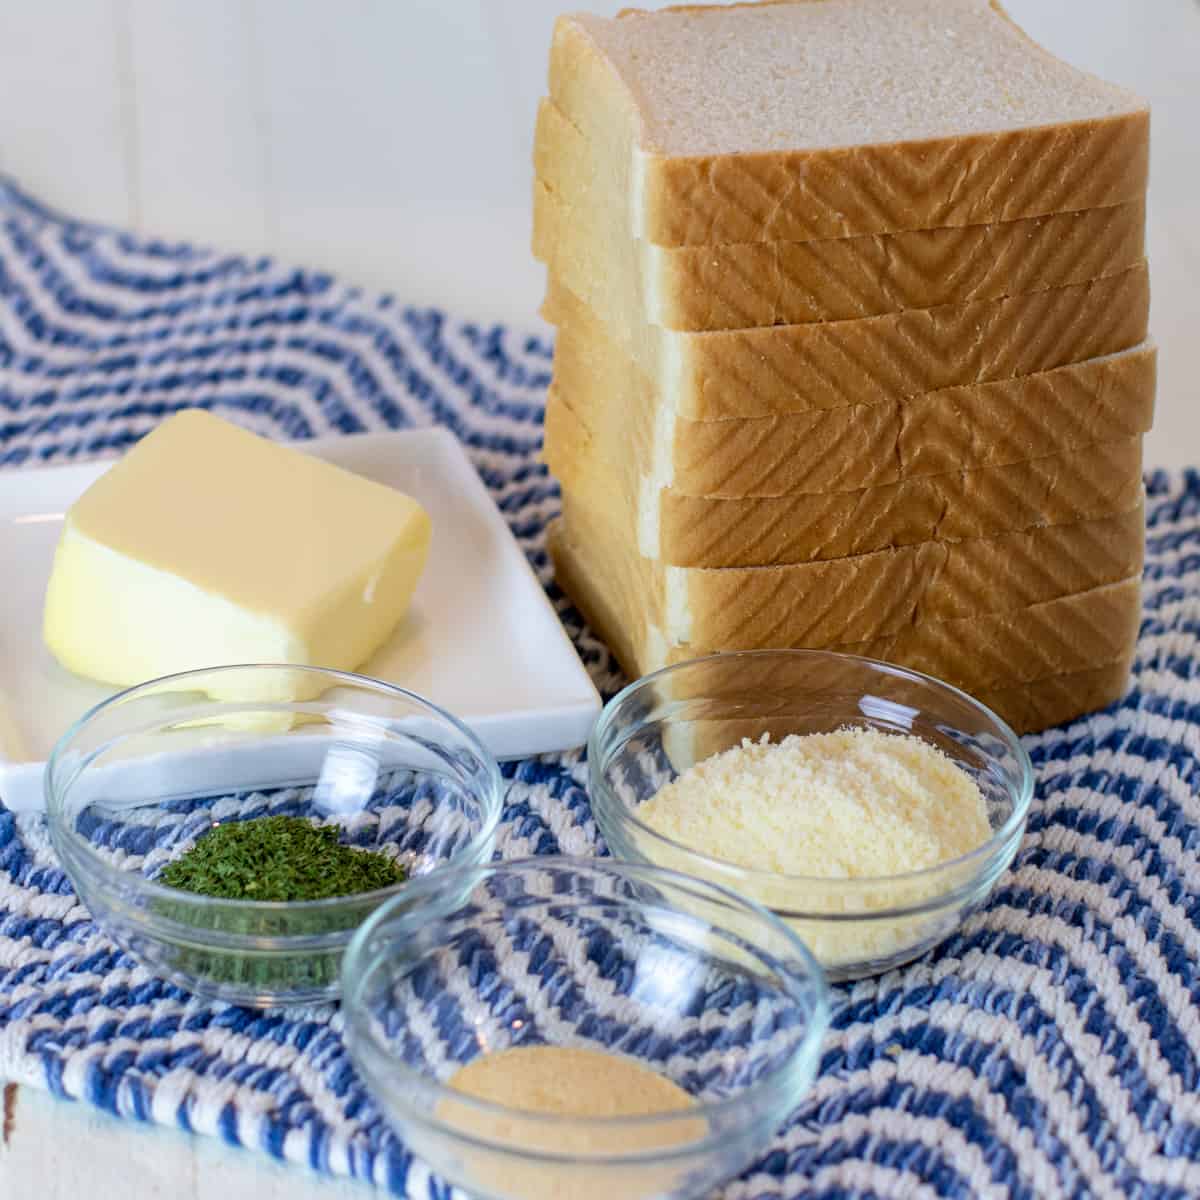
{"x": 207, "y": 545}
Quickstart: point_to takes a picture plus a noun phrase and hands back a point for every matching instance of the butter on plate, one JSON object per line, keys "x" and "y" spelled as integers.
{"x": 207, "y": 545}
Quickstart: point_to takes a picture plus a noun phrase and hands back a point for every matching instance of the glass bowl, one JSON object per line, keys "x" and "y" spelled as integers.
{"x": 662, "y": 724}
{"x": 140, "y": 777}
{"x": 684, "y": 978}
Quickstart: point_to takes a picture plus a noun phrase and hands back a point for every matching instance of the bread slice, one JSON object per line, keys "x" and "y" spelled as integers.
{"x": 794, "y": 121}
{"x": 1081, "y": 484}
{"x": 1042, "y": 703}
{"x": 862, "y": 596}
{"x": 1026, "y": 707}
{"x": 582, "y": 237}
{"x": 1091, "y": 481}
{"x": 1057, "y": 637}
{"x": 842, "y": 449}
{"x": 998, "y": 651}
{"x": 1064, "y": 636}
{"x": 835, "y": 364}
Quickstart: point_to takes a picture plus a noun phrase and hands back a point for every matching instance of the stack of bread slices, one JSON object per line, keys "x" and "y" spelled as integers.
{"x": 851, "y": 352}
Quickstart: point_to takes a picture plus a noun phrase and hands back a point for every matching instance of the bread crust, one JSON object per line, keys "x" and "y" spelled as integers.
{"x": 797, "y": 368}
{"x": 1043, "y": 703}
{"x": 1082, "y": 484}
{"x": 885, "y": 189}
{"x": 840, "y": 449}
{"x": 801, "y": 195}
{"x": 861, "y": 596}
{"x": 1007, "y": 661}
{"x": 1057, "y": 637}
{"x": 1087, "y": 482}
{"x": 579, "y": 234}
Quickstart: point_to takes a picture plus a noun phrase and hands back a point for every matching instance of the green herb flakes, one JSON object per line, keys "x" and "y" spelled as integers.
{"x": 278, "y": 858}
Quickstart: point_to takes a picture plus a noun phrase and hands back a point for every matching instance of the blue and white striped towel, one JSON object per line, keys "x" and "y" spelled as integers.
{"x": 1051, "y": 1048}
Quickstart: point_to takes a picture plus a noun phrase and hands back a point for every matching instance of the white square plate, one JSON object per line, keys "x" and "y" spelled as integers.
{"x": 481, "y": 640}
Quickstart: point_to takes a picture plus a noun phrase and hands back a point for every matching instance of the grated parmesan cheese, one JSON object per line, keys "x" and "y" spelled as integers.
{"x": 853, "y": 804}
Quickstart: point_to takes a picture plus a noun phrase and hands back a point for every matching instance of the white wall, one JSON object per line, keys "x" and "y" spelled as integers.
{"x": 390, "y": 139}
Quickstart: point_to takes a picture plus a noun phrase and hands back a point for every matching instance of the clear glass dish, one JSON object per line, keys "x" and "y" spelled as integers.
{"x": 685, "y": 978}
{"x": 140, "y": 777}
{"x": 662, "y": 724}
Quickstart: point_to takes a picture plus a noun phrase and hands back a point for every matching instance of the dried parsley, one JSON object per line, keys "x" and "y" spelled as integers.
{"x": 278, "y": 858}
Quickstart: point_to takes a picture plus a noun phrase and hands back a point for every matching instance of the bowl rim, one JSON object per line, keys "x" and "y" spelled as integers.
{"x": 606, "y": 805}
{"x": 97, "y": 869}
{"x": 357, "y": 963}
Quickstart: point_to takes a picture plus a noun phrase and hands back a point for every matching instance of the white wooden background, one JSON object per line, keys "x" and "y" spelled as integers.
{"x": 390, "y": 140}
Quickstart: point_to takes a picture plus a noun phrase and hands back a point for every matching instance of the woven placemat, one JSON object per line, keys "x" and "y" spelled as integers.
{"x": 1050, "y": 1048}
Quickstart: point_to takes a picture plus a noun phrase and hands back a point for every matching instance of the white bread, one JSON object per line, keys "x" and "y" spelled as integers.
{"x": 1026, "y": 707}
{"x": 712, "y": 725}
{"x": 862, "y": 596}
{"x": 797, "y": 368}
{"x": 581, "y": 236}
{"x": 826, "y": 244}
{"x": 830, "y": 118}
{"x": 1030, "y": 707}
{"x": 993, "y": 652}
{"x": 1087, "y": 482}
{"x": 1057, "y": 637}
{"x": 1084, "y": 483}
{"x": 842, "y": 449}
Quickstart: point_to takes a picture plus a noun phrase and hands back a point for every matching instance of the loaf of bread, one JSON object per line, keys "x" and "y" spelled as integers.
{"x": 768, "y": 123}
{"x": 852, "y": 342}
{"x": 841, "y": 449}
{"x": 580, "y": 235}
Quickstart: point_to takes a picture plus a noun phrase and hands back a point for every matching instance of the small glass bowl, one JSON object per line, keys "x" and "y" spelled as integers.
{"x": 141, "y": 776}
{"x": 684, "y": 978}
{"x": 664, "y": 723}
